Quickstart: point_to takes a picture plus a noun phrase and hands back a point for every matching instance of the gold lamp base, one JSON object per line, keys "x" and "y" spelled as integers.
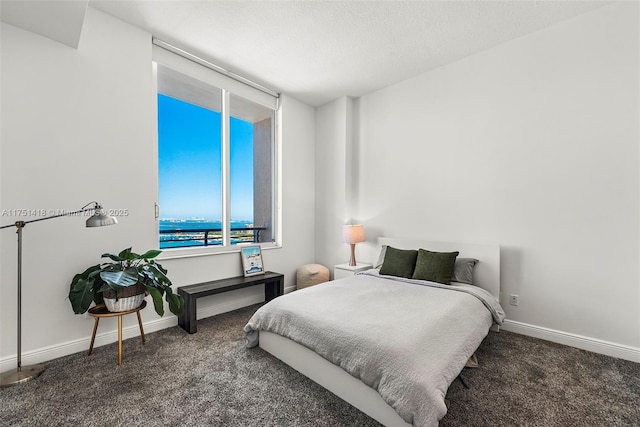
{"x": 352, "y": 260}
{"x": 26, "y": 373}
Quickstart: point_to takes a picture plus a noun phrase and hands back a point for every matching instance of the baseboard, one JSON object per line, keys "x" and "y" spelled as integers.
{"x": 82, "y": 345}
{"x": 573, "y": 340}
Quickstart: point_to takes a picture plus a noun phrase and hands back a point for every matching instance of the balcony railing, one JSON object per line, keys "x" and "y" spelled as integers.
{"x": 207, "y": 236}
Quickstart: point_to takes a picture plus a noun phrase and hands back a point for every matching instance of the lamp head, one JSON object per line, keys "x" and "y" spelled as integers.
{"x": 353, "y": 234}
{"x": 100, "y": 218}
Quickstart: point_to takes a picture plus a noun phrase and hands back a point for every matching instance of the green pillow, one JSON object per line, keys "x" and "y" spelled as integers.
{"x": 399, "y": 262}
{"x": 435, "y": 266}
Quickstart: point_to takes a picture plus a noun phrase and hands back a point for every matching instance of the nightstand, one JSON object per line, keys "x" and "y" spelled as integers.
{"x": 341, "y": 271}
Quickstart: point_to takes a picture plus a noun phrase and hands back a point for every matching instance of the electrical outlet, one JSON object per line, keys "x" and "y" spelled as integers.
{"x": 513, "y": 300}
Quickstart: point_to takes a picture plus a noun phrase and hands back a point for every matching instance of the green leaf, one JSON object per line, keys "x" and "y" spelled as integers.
{"x": 113, "y": 257}
{"x": 158, "y": 304}
{"x": 81, "y": 295}
{"x": 151, "y": 253}
{"x": 125, "y": 254}
{"x": 127, "y": 277}
{"x": 164, "y": 270}
{"x": 146, "y": 274}
{"x": 176, "y": 303}
{"x": 158, "y": 275}
{"x": 84, "y": 275}
{"x": 94, "y": 273}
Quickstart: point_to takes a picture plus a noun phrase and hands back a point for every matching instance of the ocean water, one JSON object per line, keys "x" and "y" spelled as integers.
{"x": 180, "y": 233}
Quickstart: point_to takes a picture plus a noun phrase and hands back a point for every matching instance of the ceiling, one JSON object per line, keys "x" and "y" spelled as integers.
{"x": 317, "y": 51}
{"x": 59, "y": 20}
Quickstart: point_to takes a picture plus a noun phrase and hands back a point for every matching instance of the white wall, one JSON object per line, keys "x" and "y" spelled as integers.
{"x": 532, "y": 145}
{"x": 335, "y": 192}
{"x": 79, "y": 125}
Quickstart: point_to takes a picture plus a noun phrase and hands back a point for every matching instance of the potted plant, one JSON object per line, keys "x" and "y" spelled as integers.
{"x": 128, "y": 274}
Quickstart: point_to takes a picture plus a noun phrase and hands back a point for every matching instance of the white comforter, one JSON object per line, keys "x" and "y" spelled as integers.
{"x": 406, "y": 339}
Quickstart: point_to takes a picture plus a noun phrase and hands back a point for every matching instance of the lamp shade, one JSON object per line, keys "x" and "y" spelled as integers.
{"x": 353, "y": 234}
{"x": 100, "y": 218}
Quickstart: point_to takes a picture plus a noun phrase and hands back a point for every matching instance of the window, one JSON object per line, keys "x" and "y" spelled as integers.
{"x": 216, "y": 161}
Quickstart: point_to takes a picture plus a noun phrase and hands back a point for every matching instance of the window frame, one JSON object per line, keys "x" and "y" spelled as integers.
{"x": 276, "y": 144}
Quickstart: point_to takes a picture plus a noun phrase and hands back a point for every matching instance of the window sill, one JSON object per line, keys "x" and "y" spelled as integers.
{"x": 178, "y": 253}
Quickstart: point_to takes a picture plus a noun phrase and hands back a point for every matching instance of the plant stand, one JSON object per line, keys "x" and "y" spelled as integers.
{"x": 100, "y": 311}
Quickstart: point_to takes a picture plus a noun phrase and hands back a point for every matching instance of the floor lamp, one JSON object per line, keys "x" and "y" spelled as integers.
{"x": 26, "y": 373}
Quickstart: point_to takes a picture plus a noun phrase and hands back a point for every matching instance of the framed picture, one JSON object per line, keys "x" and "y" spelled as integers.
{"x": 251, "y": 260}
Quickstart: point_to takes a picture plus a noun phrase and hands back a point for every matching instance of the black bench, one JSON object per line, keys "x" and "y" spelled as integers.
{"x": 273, "y": 287}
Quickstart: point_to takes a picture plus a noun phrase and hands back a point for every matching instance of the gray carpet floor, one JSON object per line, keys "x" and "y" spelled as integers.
{"x": 210, "y": 379}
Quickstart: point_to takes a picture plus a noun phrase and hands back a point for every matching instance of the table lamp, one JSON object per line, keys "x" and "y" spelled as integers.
{"x": 353, "y": 234}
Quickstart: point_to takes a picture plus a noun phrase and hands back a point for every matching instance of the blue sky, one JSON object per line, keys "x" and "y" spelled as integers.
{"x": 189, "y": 145}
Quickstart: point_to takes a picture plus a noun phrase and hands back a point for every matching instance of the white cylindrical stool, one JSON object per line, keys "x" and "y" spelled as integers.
{"x": 311, "y": 274}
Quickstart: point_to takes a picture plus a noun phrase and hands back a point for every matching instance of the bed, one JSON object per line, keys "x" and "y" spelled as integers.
{"x": 390, "y": 346}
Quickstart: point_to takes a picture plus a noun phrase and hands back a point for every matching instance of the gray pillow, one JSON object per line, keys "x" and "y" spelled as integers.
{"x": 463, "y": 270}
{"x": 383, "y": 251}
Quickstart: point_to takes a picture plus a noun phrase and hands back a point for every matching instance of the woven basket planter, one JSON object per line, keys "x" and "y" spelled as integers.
{"x": 128, "y": 298}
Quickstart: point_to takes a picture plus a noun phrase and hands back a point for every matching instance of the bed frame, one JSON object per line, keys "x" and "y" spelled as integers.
{"x": 351, "y": 389}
